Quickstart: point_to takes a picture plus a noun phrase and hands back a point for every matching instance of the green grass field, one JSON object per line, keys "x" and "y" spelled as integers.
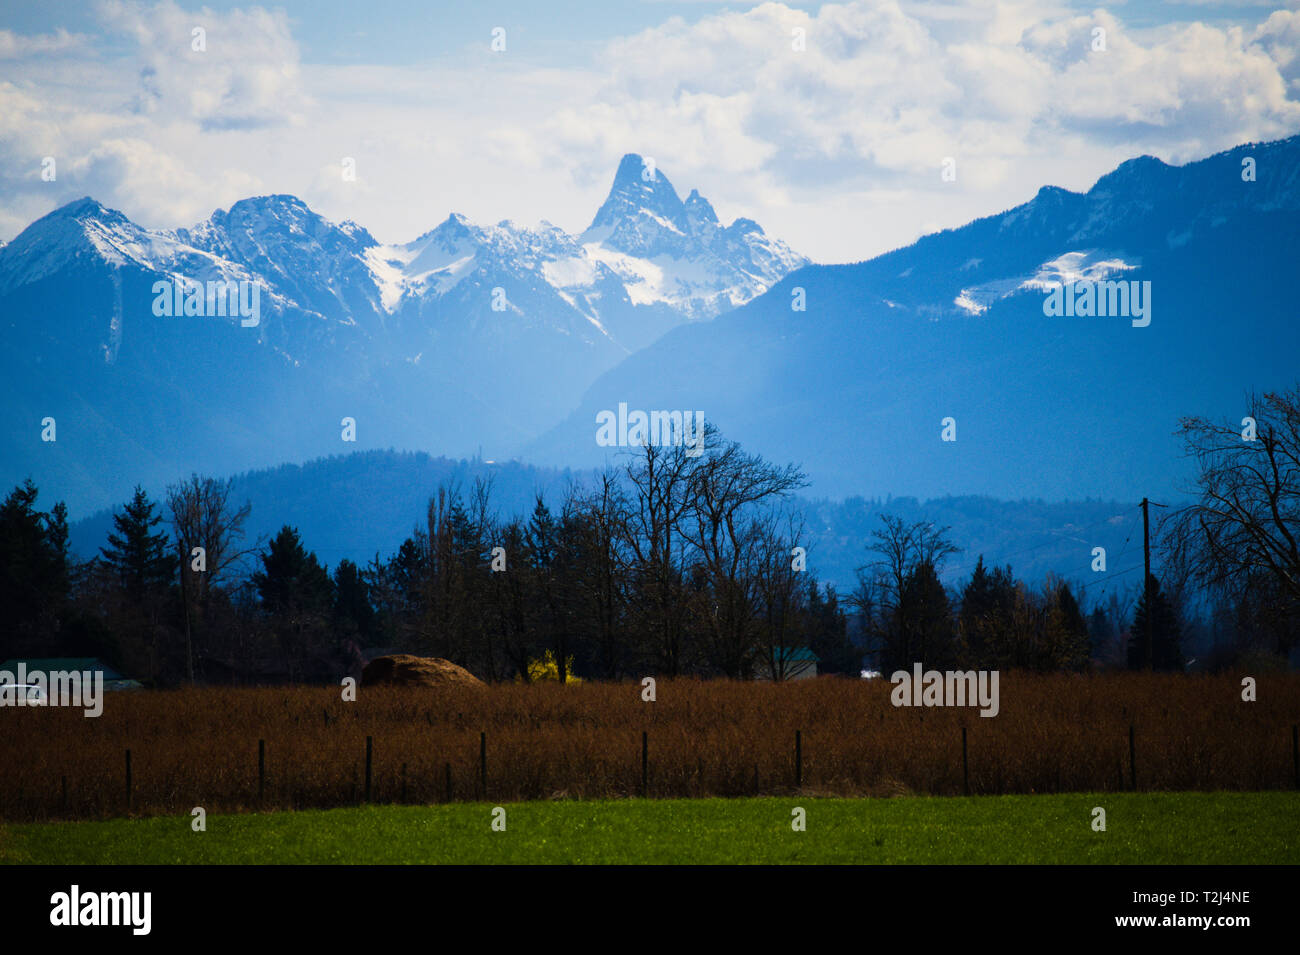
{"x": 1151, "y": 828}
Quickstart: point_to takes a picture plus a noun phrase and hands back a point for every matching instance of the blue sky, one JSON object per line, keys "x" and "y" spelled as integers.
{"x": 549, "y": 33}
{"x": 836, "y": 147}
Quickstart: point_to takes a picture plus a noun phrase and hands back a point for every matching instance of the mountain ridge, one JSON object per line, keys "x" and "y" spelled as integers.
{"x": 360, "y": 505}
{"x": 955, "y": 325}
{"x": 854, "y": 387}
{"x": 468, "y": 335}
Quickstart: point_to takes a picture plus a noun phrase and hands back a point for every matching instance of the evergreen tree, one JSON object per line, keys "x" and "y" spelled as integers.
{"x": 1165, "y": 633}
{"x": 923, "y": 631}
{"x": 353, "y": 610}
{"x": 988, "y": 602}
{"x": 1065, "y": 632}
{"x": 56, "y": 532}
{"x": 407, "y": 570}
{"x": 297, "y": 596}
{"x": 292, "y": 579}
{"x": 34, "y": 573}
{"x": 139, "y": 558}
{"x": 828, "y": 633}
{"x": 1100, "y": 633}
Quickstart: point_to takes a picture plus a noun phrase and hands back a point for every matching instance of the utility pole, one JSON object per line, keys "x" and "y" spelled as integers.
{"x": 185, "y": 599}
{"x": 1146, "y": 581}
{"x": 1146, "y": 576}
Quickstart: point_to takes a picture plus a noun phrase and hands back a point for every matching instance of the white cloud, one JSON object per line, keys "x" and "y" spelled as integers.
{"x": 1279, "y": 38}
{"x": 138, "y": 174}
{"x": 243, "y": 75}
{"x": 876, "y": 86}
{"x": 885, "y": 91}
{"x": 16, "y": 44}
{"x": 836, "y": 149}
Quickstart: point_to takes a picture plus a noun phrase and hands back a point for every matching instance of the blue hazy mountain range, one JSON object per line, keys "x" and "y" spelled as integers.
{"x": 365, "y": 504}
{"x": 467, "y": 337}
{"x": 657, "y": 305}
{"x": 855, "y": 387}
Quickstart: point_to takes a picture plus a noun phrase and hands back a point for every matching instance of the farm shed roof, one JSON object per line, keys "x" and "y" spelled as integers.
{"x": 48, "y": 664}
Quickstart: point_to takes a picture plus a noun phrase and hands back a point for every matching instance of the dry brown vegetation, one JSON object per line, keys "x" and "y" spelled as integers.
{"x": 1056, "y": 733}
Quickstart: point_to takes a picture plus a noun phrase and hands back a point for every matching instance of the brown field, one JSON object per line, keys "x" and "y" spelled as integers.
{"x": 199, "y": 747}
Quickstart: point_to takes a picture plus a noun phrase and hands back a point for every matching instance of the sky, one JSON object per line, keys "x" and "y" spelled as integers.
{"x": 830, "y": 124}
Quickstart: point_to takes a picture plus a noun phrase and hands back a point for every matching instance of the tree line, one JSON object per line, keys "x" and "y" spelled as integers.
{"x": 675, "y": 564}
{"x": 995, "y": 621}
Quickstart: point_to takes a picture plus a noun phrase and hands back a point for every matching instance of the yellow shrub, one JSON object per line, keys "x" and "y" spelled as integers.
{"x": 548, "y": 670}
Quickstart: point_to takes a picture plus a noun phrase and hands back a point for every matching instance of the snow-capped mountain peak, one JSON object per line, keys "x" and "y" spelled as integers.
{"x": 640, "y": 191}
{"x": 85, "y": 231}
{"x": 699, "y": 213}
{"x": 532, "y": 311}
{"x": 665, "y": 250}
{"x": 646, "y": 248}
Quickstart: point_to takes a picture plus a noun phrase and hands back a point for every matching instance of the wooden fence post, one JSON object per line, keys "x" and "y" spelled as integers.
{"x": 482, "y": 763}
{"x": 1295, "y": 753}
{"x": 965, "y": 764}
{"x": 369, "y": 753}
{"x": 1132, "y": 760}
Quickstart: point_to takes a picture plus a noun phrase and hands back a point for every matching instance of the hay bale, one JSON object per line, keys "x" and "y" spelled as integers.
{"x": 404, "y": 669}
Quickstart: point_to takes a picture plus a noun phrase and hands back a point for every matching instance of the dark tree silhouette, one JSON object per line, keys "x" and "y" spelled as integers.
{"x": 141, "y": 560}
{"x": 34, "y": 572}
{"x": 1241, "y": 537}
{"x": 297, "y": 595}
{"x": 1157, "y": 618}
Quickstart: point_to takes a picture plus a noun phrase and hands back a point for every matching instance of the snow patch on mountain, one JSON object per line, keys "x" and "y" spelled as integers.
{"x": 1089, "y": 265}
{"x": 976, "y": 301}
{"x": 387, "y": 265}
{"x": 575, "y": 272}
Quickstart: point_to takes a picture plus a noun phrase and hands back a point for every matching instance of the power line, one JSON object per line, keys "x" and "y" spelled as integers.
{"x": 1006, "y": 558}
{"x": 1118, "y": 573}
{"x": 1146, "y": 576}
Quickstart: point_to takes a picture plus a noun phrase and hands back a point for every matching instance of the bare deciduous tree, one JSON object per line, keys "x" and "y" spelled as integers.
{"x": 659, "y": 477}
{"x": 1240, "y": 536}
{"x": 203, "y": 517}
{"x": 901, "y": 549}
{"x": 729, "y": 492}
{"x": 781, "y": 595}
